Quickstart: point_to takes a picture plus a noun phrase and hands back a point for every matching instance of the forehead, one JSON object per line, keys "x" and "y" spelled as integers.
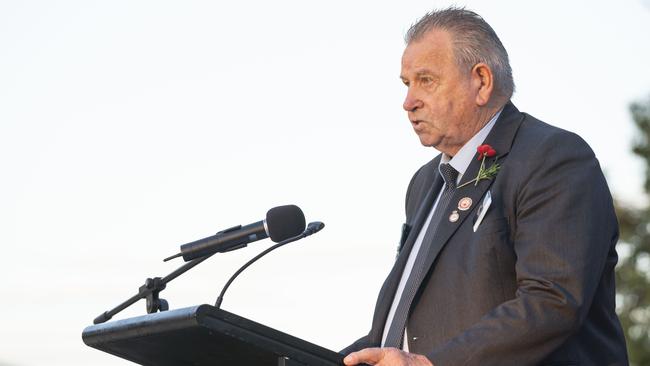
{"x": 433, "y": 51}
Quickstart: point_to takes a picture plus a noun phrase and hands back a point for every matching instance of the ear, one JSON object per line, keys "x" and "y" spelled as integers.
{"x": 483, "y": 83}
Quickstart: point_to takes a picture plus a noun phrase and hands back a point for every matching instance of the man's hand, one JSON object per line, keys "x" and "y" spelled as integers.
{"x": 386, "y": 357}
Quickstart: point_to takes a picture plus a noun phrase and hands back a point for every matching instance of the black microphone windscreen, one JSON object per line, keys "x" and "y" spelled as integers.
{"x": 284, "y": 222}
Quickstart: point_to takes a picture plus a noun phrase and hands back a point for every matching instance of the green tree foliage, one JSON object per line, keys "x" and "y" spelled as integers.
{"x": 633, "y": 272}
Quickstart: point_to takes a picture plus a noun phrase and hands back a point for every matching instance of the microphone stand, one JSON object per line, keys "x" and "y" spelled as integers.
{"x": 151, "y": 292}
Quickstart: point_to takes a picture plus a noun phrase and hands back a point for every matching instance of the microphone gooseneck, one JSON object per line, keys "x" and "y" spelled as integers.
{"x": 311, "y": 229}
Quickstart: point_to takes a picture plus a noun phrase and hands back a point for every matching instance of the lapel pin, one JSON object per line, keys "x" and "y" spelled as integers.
{"x": 465, "y": 203}
{"x": 454, "y": 216}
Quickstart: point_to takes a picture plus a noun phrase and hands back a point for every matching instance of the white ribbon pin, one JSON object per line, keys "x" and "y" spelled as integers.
{"x": 483, "y": 209}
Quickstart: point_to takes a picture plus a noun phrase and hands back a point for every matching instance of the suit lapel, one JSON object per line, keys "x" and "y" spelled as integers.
{"x": 435, "y": 182}
{"x": 423, "y": 211}
{"x": 500, "y": 138}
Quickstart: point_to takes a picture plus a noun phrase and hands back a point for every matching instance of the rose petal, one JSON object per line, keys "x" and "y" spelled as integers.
{"x": 483, "y": 149}
{"x": 490, "y": 153}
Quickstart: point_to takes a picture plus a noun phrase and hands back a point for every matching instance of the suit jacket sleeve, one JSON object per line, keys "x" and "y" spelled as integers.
{"x": 358, "y": 345}
{"x": 563, "y": 232}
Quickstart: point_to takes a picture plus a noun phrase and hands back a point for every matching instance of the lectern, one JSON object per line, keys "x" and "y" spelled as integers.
{"x": 204, "y": 336}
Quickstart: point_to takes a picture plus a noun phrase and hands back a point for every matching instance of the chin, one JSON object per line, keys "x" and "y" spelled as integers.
{"x": 428, "y": 141}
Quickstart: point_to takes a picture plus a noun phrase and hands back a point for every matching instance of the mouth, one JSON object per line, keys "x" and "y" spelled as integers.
{"x": 417, "y": 124}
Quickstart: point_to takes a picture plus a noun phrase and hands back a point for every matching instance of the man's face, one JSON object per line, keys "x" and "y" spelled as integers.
{"x": 440, "y": 100}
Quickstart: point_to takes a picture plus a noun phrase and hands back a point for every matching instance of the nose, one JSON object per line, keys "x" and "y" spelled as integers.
{"x": 411, "y": 102}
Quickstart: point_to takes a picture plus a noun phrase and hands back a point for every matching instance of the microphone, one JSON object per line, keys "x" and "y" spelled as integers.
{"x": 281, "y": 223}
{"x": 312, "y": 228}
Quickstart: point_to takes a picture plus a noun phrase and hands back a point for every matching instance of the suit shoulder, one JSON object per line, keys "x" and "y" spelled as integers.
{"x": 543, "y": 156}
{"x": 539, "y": 136}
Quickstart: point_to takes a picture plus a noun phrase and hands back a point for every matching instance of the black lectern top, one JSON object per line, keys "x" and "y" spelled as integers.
{"x": 203, "y": 336}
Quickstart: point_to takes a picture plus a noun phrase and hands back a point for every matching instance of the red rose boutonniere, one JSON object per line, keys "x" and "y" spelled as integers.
{"x": 484, "y": 151}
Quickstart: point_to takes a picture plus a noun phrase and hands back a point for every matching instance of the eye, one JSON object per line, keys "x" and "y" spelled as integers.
{"x": 405, "y": 82}
{"x": 426, "y": 80}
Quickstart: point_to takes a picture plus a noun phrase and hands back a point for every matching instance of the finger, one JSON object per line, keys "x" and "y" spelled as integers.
{"x": 367, "y": 355}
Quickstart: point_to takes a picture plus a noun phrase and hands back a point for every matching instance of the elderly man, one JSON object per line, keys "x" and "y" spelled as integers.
{"x": 507, "y": 256}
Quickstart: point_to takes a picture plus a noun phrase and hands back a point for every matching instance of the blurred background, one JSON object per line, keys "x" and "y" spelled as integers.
{"x": 128, "y": 128}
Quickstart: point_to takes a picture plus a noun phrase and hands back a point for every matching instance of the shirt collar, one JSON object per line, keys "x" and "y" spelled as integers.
{"x": 464, "y": 156}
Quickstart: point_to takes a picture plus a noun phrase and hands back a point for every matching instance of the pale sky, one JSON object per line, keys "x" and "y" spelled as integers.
{"x": 128, "y": 128}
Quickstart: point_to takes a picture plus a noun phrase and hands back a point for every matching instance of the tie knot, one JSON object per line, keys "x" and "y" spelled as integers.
{"x": 449, "y": 175}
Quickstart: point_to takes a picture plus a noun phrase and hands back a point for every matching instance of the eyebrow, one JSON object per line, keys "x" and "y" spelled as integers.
{"x": 420, "y": 73}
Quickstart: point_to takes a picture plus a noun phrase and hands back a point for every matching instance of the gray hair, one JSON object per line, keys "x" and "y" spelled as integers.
{"x": 474, "y": 41}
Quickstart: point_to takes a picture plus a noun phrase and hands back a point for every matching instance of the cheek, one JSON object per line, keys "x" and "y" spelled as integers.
{"x": 443, "y": 113}
{"x": 457, "y": 113}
